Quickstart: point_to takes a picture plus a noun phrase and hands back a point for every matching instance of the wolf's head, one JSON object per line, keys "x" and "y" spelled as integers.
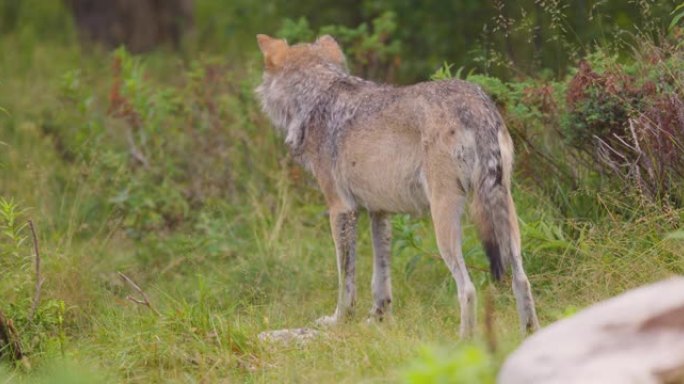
{"x": 278, "y": 55}
{"x": 295, "y": 81}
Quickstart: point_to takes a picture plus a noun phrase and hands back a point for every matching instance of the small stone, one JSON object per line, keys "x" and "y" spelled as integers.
{"x": 297, "y": 335}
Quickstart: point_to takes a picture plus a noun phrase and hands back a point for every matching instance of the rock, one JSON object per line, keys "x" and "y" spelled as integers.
{"x": 298, "y": 335}
{"x": 637, "y": 337}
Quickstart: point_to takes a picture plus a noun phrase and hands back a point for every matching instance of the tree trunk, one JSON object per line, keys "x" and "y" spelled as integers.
{"x": 140, "y": 25}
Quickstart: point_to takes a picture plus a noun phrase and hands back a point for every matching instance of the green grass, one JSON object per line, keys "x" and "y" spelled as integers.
{"x": 252, "y": 254}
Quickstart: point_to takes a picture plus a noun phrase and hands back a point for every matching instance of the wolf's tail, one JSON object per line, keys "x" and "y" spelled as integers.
{"x": 492, "y": 207}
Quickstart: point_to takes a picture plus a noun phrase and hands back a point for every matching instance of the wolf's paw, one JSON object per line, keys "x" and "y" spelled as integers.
{"x": 380, "y": 319}
{"x": 532, "y": 325}
{"x": 381, "y": 311}
{"x": 466, "y": 333}
{"x": 376, "y": 316}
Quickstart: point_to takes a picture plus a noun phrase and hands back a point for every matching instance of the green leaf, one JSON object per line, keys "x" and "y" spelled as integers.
{"x": 444, "y": 72}
{"x": 678, "y": 16}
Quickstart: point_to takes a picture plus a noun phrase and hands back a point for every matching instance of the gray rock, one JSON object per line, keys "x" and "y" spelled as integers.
{"x": 637, "y": 337}
{"x": 296, "y": 335}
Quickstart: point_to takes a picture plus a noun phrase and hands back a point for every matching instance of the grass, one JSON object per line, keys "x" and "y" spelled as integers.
{"x": 254, "y": 256}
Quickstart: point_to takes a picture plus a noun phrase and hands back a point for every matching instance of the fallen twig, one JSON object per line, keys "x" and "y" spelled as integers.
{"x": 145, "y": 301}
{"x": 39, "y": 279}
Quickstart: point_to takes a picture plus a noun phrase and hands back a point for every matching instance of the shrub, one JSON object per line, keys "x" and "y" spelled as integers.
{"x": 630, "y": 119}
{"x": 39, "y": 325}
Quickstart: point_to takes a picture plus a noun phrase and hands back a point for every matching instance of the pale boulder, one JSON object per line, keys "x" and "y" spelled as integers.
{"x": 637, "y": 337}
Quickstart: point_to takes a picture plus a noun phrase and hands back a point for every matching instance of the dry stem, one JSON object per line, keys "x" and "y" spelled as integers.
{"x": 490, "y": 332}
{"x": 145, "y": 301}
{"x": 39, "y": 279}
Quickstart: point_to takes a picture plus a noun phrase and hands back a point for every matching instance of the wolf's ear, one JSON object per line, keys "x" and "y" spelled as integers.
{"x": 273, "y": 50}
{"x": 330, "y": 48}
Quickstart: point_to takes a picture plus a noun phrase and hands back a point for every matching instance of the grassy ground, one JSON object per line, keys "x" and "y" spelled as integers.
{"x": 252, "y": 252}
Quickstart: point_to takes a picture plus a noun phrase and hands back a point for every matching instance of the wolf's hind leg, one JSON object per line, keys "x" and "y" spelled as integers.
{"x": 521, "y": 285}
{"x": 381, "y": 230}
{"x": 343, "y": 225}
{"x": 523, "y": 298}
{"x": 446, "y": 213}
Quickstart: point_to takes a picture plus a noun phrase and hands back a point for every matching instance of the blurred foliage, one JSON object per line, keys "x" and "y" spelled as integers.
{"x": 41, "y": 331}
{"x": 162, "y": 165}
{"x": 503, "y": 38}
{"x": 469, "y": 364}
{"x": 371, "y": 51}
{"x": 36, "y": 19}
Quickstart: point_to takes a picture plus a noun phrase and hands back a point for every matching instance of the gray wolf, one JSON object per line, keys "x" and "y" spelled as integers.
{"x": 425, "y": 147}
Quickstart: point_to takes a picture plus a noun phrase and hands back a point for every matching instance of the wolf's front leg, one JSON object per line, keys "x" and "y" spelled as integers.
{"x": 381, "y": 285}
{"x": 343, "y": 224}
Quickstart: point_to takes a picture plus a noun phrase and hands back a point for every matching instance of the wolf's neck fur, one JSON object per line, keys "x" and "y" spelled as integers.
{"x": 296, "y": 100}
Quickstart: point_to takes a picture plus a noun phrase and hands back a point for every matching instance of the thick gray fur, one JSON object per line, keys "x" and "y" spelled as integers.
{"x": 386, "y": 149}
